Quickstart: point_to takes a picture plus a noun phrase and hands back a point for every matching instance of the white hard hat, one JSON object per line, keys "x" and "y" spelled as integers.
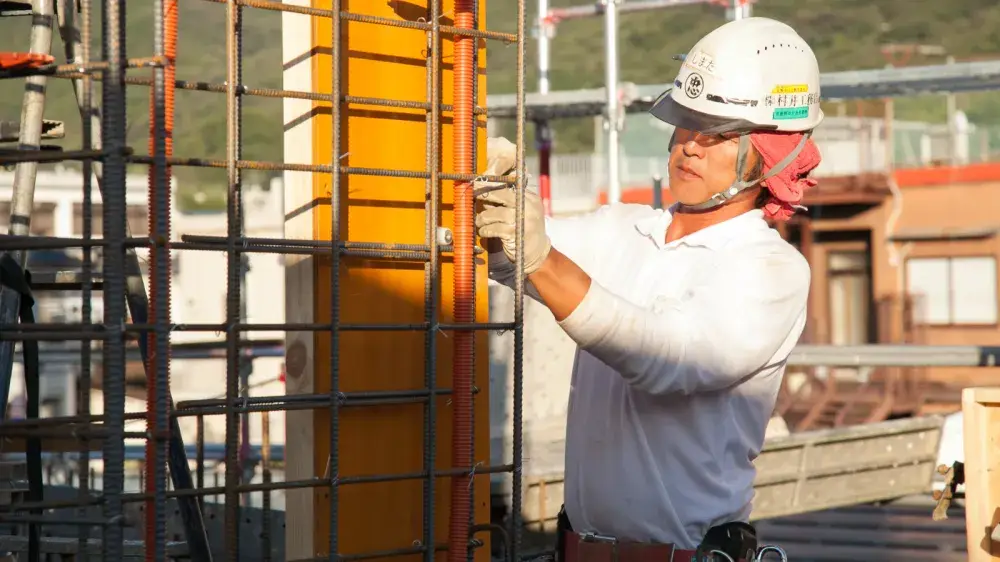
{"x": 748, "y": 74}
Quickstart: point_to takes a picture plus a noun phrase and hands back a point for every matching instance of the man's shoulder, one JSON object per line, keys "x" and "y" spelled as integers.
{"x": 766, "y": 250}
{"x": 629, "y": 212}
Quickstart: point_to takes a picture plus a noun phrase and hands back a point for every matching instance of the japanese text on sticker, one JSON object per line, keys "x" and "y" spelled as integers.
{"x": 790, "y": 113}
{"x": 790, "y": 89}
{"x": 700, "y": 61}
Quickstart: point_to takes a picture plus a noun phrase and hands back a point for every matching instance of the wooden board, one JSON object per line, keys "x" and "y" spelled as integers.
{"x": 981, "y": 436}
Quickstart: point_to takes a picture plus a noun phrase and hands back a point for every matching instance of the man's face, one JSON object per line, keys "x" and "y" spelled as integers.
{"x": 703, "y": 165}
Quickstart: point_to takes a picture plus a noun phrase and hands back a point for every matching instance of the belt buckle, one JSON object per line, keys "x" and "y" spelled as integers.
{"x": 602, "y": 539}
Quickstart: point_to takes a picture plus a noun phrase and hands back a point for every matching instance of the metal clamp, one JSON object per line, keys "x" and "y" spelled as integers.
{"x": 770, "y": 548}
{"x": 444, "y": 236}
{"x": 594, "y": 537}
{"x": 603, "y": 539}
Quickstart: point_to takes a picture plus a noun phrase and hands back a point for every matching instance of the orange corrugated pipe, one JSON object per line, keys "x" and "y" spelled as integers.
{"x": 156, "y": 291}
{"x": 464, "y": 238}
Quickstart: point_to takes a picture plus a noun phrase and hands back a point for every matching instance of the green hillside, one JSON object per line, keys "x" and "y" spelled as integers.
{"x": 846, "y": 34}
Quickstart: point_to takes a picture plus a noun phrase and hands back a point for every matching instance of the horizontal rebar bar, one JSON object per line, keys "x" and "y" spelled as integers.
{"x": 271, "y": 486}
{"x": 217, "y": 243}
{"x": 13, "y": 156}
{"x": 44, "y": 520}
{"x": 342, "y": 397}
{"x": 244, "y": 90}
{"x": 79, "y": 331}
{"x": 67, "y": 424}
{"x": 376, "y": 554}
{"x": 361, "y": 18}
{"x": 320, "y": 168}
{"x": 78, "y": 69}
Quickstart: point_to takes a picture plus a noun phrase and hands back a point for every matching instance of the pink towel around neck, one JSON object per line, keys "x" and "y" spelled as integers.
{"x": 788, "y": 185}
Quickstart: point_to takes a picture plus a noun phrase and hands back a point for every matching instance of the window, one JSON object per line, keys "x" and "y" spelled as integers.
{"x": 956, "y": 290}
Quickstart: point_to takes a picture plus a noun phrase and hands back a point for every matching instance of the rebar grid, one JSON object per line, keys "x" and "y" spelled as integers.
{"x": 104, "y": 154}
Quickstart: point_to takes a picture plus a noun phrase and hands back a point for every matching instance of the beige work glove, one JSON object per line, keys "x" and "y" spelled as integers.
{"x": 496, "y": 219}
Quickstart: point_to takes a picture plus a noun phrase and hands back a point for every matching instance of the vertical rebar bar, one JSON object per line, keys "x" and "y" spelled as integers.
{"x": 336, "y": 115}
{"x": 114, "y": 129}
{"x": 515, "y": 515}
{"x": 234, "y": 216}
{"x": 158, "y": 378}
{"x": 472, "y": 272}
{"x": 432, "y": 269}
{"x": 75, "y": 34}
{"x": 135, "y": 291}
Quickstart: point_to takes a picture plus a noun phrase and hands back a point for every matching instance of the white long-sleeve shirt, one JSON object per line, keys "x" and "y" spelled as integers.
{"x": 681, "y": 351}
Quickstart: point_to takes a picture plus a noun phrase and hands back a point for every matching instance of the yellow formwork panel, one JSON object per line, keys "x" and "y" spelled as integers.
{"x": 387, "y": 62}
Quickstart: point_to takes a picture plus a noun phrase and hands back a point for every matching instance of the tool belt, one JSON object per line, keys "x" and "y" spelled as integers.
{"x": 730, "y": 542}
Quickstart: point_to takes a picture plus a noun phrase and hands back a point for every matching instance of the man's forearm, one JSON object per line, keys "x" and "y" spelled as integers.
{"x": 561, "y": 284}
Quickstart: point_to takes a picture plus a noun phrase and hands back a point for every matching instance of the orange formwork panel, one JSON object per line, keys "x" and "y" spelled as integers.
{"x": 384, "y": 62}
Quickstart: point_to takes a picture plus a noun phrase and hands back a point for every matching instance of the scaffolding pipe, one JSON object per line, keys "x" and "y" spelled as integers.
{"x": 596, "y": 9}
{"x": 23, "y": 196}
{"x": 883, "y": 355}
{"x": 612, "y": 123}
{"x": 543, "y": 130}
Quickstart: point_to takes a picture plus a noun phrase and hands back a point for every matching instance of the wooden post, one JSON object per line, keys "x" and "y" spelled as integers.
{"x": 981, "y": 428}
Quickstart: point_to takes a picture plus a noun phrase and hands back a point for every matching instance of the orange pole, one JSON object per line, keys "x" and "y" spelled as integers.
{"x": 464, "y": 305}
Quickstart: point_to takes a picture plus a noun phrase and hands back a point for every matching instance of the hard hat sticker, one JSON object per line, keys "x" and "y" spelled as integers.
{"x": 790, "y": 100}
{"x": 790, "y": 89}
{"x": 694, "y": 85}
{"x": 790, "y": 113}
{"x": 701, "y": 62}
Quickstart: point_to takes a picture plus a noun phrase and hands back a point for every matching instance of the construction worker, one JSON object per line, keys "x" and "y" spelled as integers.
{"x": 684, "y": 317}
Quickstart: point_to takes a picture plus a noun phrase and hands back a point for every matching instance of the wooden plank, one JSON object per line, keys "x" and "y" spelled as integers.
{"x": 816, "y": 470}
{"x": 871, "y": 517}
{"x": 850, "y": 487}
{"x": 981, "y": 437}
{"x": 837, "y": 553}
{"x": 777, "y": 533}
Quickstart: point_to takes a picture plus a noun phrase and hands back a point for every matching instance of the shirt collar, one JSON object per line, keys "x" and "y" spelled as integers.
{"x": 713, "y": 237}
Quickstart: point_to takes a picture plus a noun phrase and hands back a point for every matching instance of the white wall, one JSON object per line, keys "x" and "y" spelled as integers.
{"x": 199, "y": 296}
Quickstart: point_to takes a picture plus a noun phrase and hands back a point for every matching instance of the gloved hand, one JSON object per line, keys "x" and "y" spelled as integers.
{"x": 496, "y": 219}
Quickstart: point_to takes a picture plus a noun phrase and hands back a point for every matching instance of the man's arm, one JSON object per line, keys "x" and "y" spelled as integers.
{"x": 561, "y": 284}
{"x": 726, "y": 332}
{"x": 574, "y": 236}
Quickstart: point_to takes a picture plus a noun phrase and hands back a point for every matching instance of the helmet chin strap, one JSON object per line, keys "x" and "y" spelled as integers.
{"x": 740, "y": 185}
